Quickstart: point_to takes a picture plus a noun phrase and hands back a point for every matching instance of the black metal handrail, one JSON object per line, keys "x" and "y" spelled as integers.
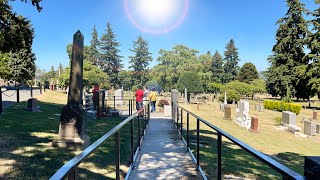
{"x": 286, "y": 172}
{"x": 69, "y": 170}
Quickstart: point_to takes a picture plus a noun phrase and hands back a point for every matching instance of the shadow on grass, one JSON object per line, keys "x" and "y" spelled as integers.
{"x": 236, "y": 161}
{"x": 26, "y": 151}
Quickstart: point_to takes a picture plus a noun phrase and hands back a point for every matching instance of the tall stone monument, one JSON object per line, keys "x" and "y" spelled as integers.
{"x": 72, "y": 129}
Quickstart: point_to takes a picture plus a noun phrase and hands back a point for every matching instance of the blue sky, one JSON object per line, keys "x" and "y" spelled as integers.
{"x": 207, "y": 26}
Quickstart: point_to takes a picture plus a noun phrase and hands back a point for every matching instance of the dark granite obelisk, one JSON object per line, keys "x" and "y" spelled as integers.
{"x": 72, "y": 129}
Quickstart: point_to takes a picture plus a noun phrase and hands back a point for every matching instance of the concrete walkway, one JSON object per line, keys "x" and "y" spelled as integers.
{"x": 163, "y": 154}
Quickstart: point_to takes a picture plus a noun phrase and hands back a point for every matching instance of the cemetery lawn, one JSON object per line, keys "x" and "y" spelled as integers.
{"x": 282, "y": 146}
{"x": 25, "y": 142}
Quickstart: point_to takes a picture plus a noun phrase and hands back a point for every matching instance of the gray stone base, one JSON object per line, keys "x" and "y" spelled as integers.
{"x": 72, "y": 143}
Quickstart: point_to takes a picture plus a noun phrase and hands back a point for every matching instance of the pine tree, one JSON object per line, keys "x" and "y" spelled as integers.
{"x": 231, "y": 60}
{"x": 93, "y": 49}
{"x": 22, "y": 66}
{"x": 248, "y": 72}
{"x": 288, "y": 54}
{"x": 217, "y": 67}
{"x": 140, "y": 61}
{"x": 110, "y": 58}
{"x": 312, "y": 70}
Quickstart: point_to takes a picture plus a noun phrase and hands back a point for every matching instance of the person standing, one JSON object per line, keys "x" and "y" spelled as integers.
{"x": 95, "y": 96}
{"x": 153, "y": 99}
{"x": 139, "y": 98}
{"x": 145, "y": 95}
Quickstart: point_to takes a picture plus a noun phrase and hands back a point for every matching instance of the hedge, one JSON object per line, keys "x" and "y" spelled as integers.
{"x": 282, "y": 106}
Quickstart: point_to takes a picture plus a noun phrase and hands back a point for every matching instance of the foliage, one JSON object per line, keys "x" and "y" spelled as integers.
{"x": 153, "y": 84}
{"x": 258, "y": 86}
{"x": 140, "y": 61}
{"x": 111, "y": 61}
{"x": 126, "y": 81}
{"x": 4, "y": 69}
{"x": 231, "y": 60}
{"x": 278, "y": 121}
{"x": 248, "y": 73}
{"x": 21, "y": 66}
{"x": 231, "y": 95}
{"x": 217, "y": 68}
{"x": 282, "y": 106}
{"x": 93, "y": 54}
{"x": 191, "y": 81}
{"x": 214, "y": 87}
{"x": 206, "y": 60}
{"x": 93, "y": 75}
{"x": 205, "y": 78}
{"x": 163, "y": 102}
{"x": 288, "y": 54}
{"x": 242, "y": 88}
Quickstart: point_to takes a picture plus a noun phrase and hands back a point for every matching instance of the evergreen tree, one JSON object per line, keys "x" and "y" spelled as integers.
{"x": 110, "y": 58}
{"x": 288, "y": 54}
{"x": 217, "y": 67}
{"x": 140, "y": 61}
{"x": 60, "y": 69}
{"x": 312, "y": 70}
{"x": 93, "y": 49}
{"x": 248, "y": 73}
{"x": 231, "y": 60}
{"x": 22, "y": 66}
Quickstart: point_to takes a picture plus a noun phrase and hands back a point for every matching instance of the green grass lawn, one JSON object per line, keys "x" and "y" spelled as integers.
{"x": 285, "y": 147}
{"x": 25, "y": 143}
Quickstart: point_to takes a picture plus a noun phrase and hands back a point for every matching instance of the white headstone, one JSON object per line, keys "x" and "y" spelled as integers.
{"x": 242, "y": 112}
{"x": 118, "y": 97}
{"x": 289, "y": 117}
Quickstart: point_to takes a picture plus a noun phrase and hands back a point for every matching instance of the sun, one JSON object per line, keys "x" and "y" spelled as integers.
{"x": 156, "y": 16}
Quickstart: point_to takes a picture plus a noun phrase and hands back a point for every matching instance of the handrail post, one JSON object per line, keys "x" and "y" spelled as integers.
{"x": 129, "y": 107}
{"x": 117, "y": 155}
{"x": 219, "y": 170}
{"x": 31, "y": 93}
{"x": 73, "y": 174}
{"x": 181, "y": 124}
{"x": 148, "y": 112}
{"x": 198, "y": 144}
{"x": 131, "y": 134}
{"x": 172, "y": 111}
{"x": 177, "y": 118}
{"x": 18, "y": 95}
{"x": 139, "y": 133}
{"x": 0, "y": 100}
{"x": 114, "y": 102}
{"x": 187, "y": 130}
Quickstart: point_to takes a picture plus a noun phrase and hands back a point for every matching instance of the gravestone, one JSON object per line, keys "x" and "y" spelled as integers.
{"x": 227, "y": 112}
{"x": 289, "y": 117}
{"x": 254, "y": 124}
{"x": 32, "y": 105}
{"x": 72, "y": 129}
{"x": 314, "y": 115}
{"x": 174, "y": 99}
{"x": 118, "y": 97}
{"x": 309, "y": 128}
{"x": 185, "y": 95}
{"x": 243, "y": 118}
{"x": 222, "y": 106}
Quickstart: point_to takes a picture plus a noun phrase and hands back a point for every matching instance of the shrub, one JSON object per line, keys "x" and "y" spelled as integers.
{"x": 282, "y": 106}
{"x": 163, "y": 102}
{"x": 295, "y": 108}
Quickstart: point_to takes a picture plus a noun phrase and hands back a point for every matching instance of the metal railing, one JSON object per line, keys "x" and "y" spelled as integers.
{"x": 286, "y": 172}
{"x": 69, "y": 170}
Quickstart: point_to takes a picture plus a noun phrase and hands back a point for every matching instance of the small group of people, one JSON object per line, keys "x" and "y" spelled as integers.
{"x": 144, "y": 95}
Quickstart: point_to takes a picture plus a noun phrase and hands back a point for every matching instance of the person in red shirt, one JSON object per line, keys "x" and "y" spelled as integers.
{"x": 139, "y": 98}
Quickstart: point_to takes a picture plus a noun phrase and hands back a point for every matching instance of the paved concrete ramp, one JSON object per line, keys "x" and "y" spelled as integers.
{"x": 163, "y": 154}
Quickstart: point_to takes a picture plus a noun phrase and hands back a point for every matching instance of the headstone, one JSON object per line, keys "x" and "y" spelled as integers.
{"x": 309, "y": 128}
{"x": 32, "y": 105}
{"x": 318, "y": 128}
{"x": 254, "y": 124}
{"x": 225, "y": 97}
{"x": 72, "y": 129}
{"x": 227, "y": 112}
{"x": 167, "y": 110}
{"x": 175, "y": 100}
{"x": 222, "y": 105}
{"x": 243, "y": 118}
{"x": 314, "y": 115}
{"x": 119, "y": 97}
{"x": 185, "y": 95}
{"x": 289, "y": 117}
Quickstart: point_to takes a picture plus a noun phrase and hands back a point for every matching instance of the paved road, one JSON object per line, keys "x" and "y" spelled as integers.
{"x": 163, "y": 154}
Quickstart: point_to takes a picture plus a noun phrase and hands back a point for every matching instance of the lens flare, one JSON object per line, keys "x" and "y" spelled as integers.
{"x": 156, "y": 16}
